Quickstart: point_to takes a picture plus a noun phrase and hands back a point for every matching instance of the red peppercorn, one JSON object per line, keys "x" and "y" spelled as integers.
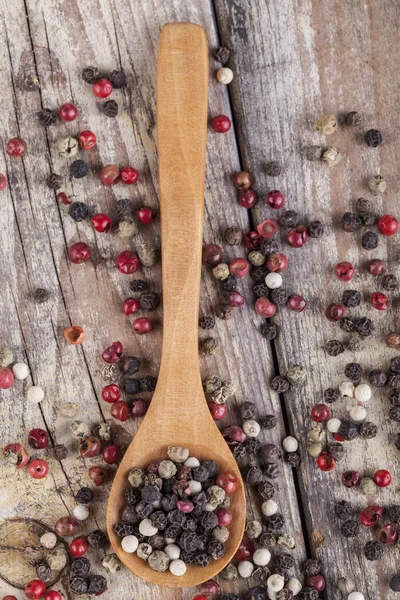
{"x": 120, "y": 410}
{"x": 242, "y": 180}
{"x": 109, "y": 174}
{"x": 62, "y": 198}
{"x": 297, "y": 237}
{"x": 142, "y": 325}
{"x": 89, "y": 446}
{"x": 268, "y": 228}
{"x": 351, "y": 478}
{"x": 277, "y": 263}
{"x": 382, "y": 478}
{"x": 3, "y": 185}
{"x": 246, "y": 549}
{"x": 376, "y": 267}
{"x": 338, "y": 437}
{"x": 66, "y": 526}
{"x": 34, "y": 589}
{"x": 221, "y": 124}
{"x": 6, "y": 378}
{"x": 209, "y": 588}
{"x": 228, "y": 482}
{"x": 129, "y": 175}
{"x": 239, "y": 267}
{"x": 316, "y": 581}
{"x": 275, "y": 199}
{"x": 146, "y": 215}
{"x": 326, "y": 462}
{"x": 320, "y": 413}
{"x": 68, "y": 112}
{"x": 235, "y": 299}
{"x": 38, "y": 439}
{"x": 79, "y": 253}
{"x": 130, "y": 305}
{"x": 87, "y": 140}
{"x": 16, "y": 147}
{"x": 98, "y": 475}
{"x": 388, "y": 534}
{"x": 201, "y": 597}
{"x": 38, "y": 468}
{"x": 371, "y": 515}
{"x": 139, "y": 408}
{"x": 247, "y": 198}
{"x": 265, "y": 308}
{"x": 224, "y": 516}
{"x": 388, "y": 225}
{"x": 127, "y": 262}
{"x": 101, "y": 222}
{"x": 344, "y": 271}
{"x": 79, "y": 546}
{"x": 52, "y": 595}
{"x": 111, "y": 454}
{"x": 296, "y": 302}
{"x": 102, "y": 88}
{"x": 212, "y": 254}
{"x": 379, "y": 301}
{"x": 218, "y": 411}
{"x": 9, "y": 598}
{"x": 112, "y": 353}
{"x": 111, "y": 393}
{"x": 234, "y": 434}
{"x": 253, "y": 240}
{"x": 335, "y": 312}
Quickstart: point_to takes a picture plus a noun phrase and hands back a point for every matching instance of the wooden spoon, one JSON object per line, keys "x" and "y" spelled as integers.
{"x": 178, "y": 414}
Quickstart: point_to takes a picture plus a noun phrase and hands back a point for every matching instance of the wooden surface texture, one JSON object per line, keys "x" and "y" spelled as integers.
{"x": 292, "y": 62}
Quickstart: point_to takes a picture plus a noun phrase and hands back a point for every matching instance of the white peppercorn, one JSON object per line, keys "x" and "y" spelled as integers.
{"x": 377, "y": 185}
{"x": 172, "y": 551}
{"x": 363, "y": 392}
{"x": 230, "y": 573}
{"x": 245, "y": 569}
{"x": 79, "y": 429}
{"x": 158, "y": 561}
{"x": 127, "y": 229}
{"x": 6, "y": 357}
{"x": 327, "y": 125}
{"x": 221, "y": 534}
{"x": 146, "y": 528}
{"x": 167, "y": 469}
{"x": 346, "y": 389}
{"x": 333, "y": 425}
{"x": 253, "y": 529}
{"x": 368, "y": 486}
{"x": 215, "y": 495}
{"x": 275, "y": 582}
{"x": 316, "y": 435}
{"x": 251, "y": 428}
{"x": 256, "y": 258}
{"x": 314, "y": 449}
{"x": 147, "y": 254}
{"x": 358, "y": 414}
{"x": 57, "y": 558}
{"x": 35, "y": 394}
{"x": 296, "y": 375}
{"x": 67, "y": 146}
{"x": 355, "y": 596}
{"x": 21, "y": 371}
{"x": 129, "y": 543}
{"x": 81, "y": 512}
{"x": 294, "y": 585}
{"x": 290, "y": 444}
{"x": 194, "y": 487}
{"x": 177, "y": 567}
{"x": 136, "y": 478}
{"x": 48, "y": 540}
{"x": 111, "y": 563}
{"x": 269, "y": 508}
{"x": 261, "y": 557}
{"x": 225, "y": 75}
{"x": 178, "y": 453}
{"x": 192, "y": 462}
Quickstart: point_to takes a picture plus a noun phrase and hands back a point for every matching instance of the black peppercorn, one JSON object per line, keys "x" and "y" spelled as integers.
{"x": 261, "y": 290}
{"x": 267, "y": 540}
{"x": 290, "y": 219}
{"x": 207, "y": 322}
{"x": 285, "y": 560}
{"x": 394, "y": 413}
{"x": 109, "y": 108}
{"x": 351, "y": 298}
{"x": 331, "y": 395}
{"x": 123, "y": 529}
{"x": 47, "y": 117}
{"x": 334, "y": 348}
{"x": 389, "y": 282}
{"x": 397, "y": 441}
{"x": 364, "y": 326}
{"x": 123, "y": 208}
{"x": 393, "y": 513}
{"x": 132, "y": 496}
{"x": 216, "y": 549}
{"x": 129, "y": 365}
{"x": 353, "y": 371}
{"x": 80, "y": 567}
{"x": 238, "y": 451}
{"x": 253, "y": 446}
{"x": 258, "y": 274}
{"x": 41, "y": 295}
{"x": 353, "y": 119}
{"x": 149, "y": 301}
{"x": 247, "y": 410}
{"x": 275, "y": 521}
{"x": 394, "y": 397}
{"x": 222, "y": 54}
{"x": 233, "y": 235}
{"x": 90, "y": 74}
{"x": 211, "y": 467}
{"x": 269, "y": 331}
{"x": 394, "y": 583}
{"x": 144, "y": 510}
{"x": 225, "y": 312}
{"x": 348, "y": 430}
{"x": 148, "y": 383}
{"x": 350, "y": 528}
{"x": 373, "y": 550}
{"x": 279, "y": 384}
{"x": 78, "y": 169}
{"x": 270, "y": 453}
{"x": 347, "y": 325}
{"x": 368, "y": 430}
{"x": 270, "y": 422}
{"x": 229, "y": 284}
{"x": 138, "y": 285}
{"x": 159, "y": 520}
{"x": 266, "y": 490}
{"x": 369, "y": 240}
{"x": 395, "y": 365}
{"x": 394, "y": 381}
{"x": 132, "y": 386}
{"x": 78, "y": 586}
{"x": 273, "y": 168}
{"x": 97, "y": 539}
{"x": 292, "y": 458}
{"x": 377, "y": 378}
{"x": 201, "y": 559}
{"x": 60, "y": 452}
{"x": 255, "y": 593}
{"x": 315, "y": 229}
{"x": 54, "y": 181}
{"x": 336, "y": 450}
{"x": 343, "y": 509}
{"x": 363, "y": 206}
{"x": 268, "y": 247}
{"x": 373, "y": 138}
{"x": 97, "y": 585}
{"x": 351, "y": 222}
{"x": 78, "y": 211}
{"x": 285, "y": 594}
{"x": 43, "y": 571}
{"x": 118, "y": 79}
{"x": 308, "y": 593}
{"x": 271, "y": 470}
{"x": 279, "y": 297}
{"x": 84, "y": 496}
{"x": 369, "y": 219}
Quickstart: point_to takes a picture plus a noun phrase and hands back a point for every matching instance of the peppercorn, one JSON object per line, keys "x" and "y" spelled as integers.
{"x": 315, "y": 229}
{"x": 354, "y": 120}
{"x": 373, "y": 138}
{"x": 350, "y": 528}
{"x": 97, "y": 585}
{"x": 364, "y": 326}
{"x": 373, "y": 550}
{"x": 261, "y": 290}
{"x": 389, "y": 282}
{"x": 394, "y": 381}
{"x": 397, "y": 441}
{"x": 331, "y": 395}
{"x": 84, "y": 496}
{"x": 296, "y": 375}
{"x": 394, "y": 583}
{"x": 334, "y": 348}
{"x": 225, "y": 312}
{"x": 40, "y": 295}
{"x": 60, "y": 452}
{"x": 377, "y": 377}
{"x": 78, "y": 169}
{"x": 353, "y": 371}
{"x": 90, "y": 74}
{"x": 123, "y": 208}
{"x": 275, "y": 521}
{"x": 269, "y": 331}
{"x": 268, "y": 247}
{"x": 270, "y": 421}
{"x": 347, "y": 325}
{"x": 343, "y": 509}
{"x": 80, "y": 567}
{"x": 393, "y": 513}
{"x": 394, "y": 397}
{"x": 97, "y": 539}
{"x": 252, "y": 446}
{"x": 78, "y": 211}
{"x": 331, "y": 157}
{"x": 285, "y": 560}
{"x": 222, "y": 54}
{"x": 279, "y": 384}
{"x": 117, "y": 79}
{"x": 308, "y": 593}
{"x": 290, "y": 219}
{"x": 369, "y": 219}
{"x": 279, "y": 297}
{"x": 377, "y": 185}
{"x": 363, "y": 206}
{"x": 149, "y": 301}
{"x": 109, "y": 108}
{"x": 43, "y": 571}
{"x": 147, "y": 254}
{"x": 367, "y": 486}
{"x": 336, "y": 450}
{"x": 394, "y": 413}
{"x": 229, "y": 284}
{"x": 348, "y": 430}
{"x": 233, "y": 236}
{"x": 351, "y": 222}
{"x": 285, "y": 594}
{"x": 239, "y": 451}
{"x": 148, "y": 383}
{"x": 210, "y": 346}
{"x": 293, "y": 459}
{"x": 47, "y": 117}
{"x": 129, "y": 365}
{"x": 351, "y": 298}
{"x": 54, "y": 181}
{"x": 247, "y": 410}
{"x": 258, "y": 274}
{"x": 327, "y": 125}
{"x": 271, "y": 471}
{"x": 368, "y": 430}
{"x": 313, "y": 153}
{"x": 256, "y": 258}
{"x": 266, "y": 490}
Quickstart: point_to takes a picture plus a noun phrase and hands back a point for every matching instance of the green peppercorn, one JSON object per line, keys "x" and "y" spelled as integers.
{"x": 233, "y": 236}
{"x": 327, "y": 125}
{"x": 147, "y": 254}
{"x": 331, "y": 157}
{"x": 256, "y": 258}
{"x": 377, "y": 184}
{"x": 67, "y": 146}
{"x": 210, "y": 346}
{"x": 221, "y": 271}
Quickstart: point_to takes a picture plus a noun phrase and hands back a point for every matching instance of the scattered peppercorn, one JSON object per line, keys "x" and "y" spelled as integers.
{"x": 315, "y": 229}
{"x": 350, "y": 528}
{"x": 210, "y": 346}
{"x": 54, "y": 181}
{"x": 389, "y": 282}
{"x": 109, "y": 108}
{"x": 90, "y": 74}
{"x": 368, "y": 430}
{"x": 280, "y": 384}
{"x": 343, "y": 509}
{"x": 353, "y": 119}
{"x": 334, "y": 348}
{"x": 78, "y": 169}
{"x": 373, "y": 550}
{"x": 60, "y": 452}
{"x": 118, "y": 79}
{"x": 225, "y": 312}
{"x": 40, "y": 295}
{"x": 348, "y": 430}
{"x": 369, "y": 219}
{"x": 78, "y": 211}
{"x": 47, "y": 117}
{"x": 351, "y": 222}
{"x": 222, "y": 54}
{"x": 373, "y": 138}
{"x": 269, "y": 331}
{"x": 273, "y": 168}
{"x": 377, "y": 185}
{"x": 364, "y": 326}
{"x": 377, "y": 377}
{"x": 363, "y": 206}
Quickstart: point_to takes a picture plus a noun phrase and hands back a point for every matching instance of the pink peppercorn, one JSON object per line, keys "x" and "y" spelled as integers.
{"x": 146, "y": 215}
{"x": 129, "y": 175}
{"x": 296, "y": 303}
{"x": 6, "y": 378}
{"x": 253, "y": 240}
{"x": 388, "y": 534}
{"x": 275, "y": 199}
{"x": 130, "y": 305}
{"x": 68, "y": 112}
{"x": 62, "y": 198}
{"x": 127, "y": 262}
{"x": 268, "y": 228}
{"x": 185, "y": 506}
{"x": 218, "y": 411}
{"x": 16, "y": 147}
{"x": 239, "y": 267}
{"x": 316, "y": 581}
{"x": 209, "y": 589}
{"x": 247, "y": 198}
{"x": 224, "y": 516}
{"x": 246, "y": 549}
{"x": 79, "y": 253}
{"x": 277, "y": 263}
{"x": 265, "y": 308}
{"x": 326, "y": 462}
{"x": 142, "y": 325}
{"x": 379, "y": 301}
{"x": 334, "y": 312}
{"x": 376, "y": 267}
{"x": 235, "y": 299}
{"x": 320, "y": 413}
{"x": 388, "y": 225}
{"x": 102, "y": 88}
{"x": 112, "y": 353}
{"x": 3, "y": 181}
{"x": 344, "y": 271}
{"x": 297, "y": 237}
{"x": 109, "y": 174}
{"x": 139, "y": 408}
{"x": 234, "y": 434}
{"x": 351, "y": 478}
{"x": 221, "y": 124}
{"x": 382, "y": 478}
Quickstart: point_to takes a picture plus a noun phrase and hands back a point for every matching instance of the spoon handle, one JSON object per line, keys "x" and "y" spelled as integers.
{"x": 182, "y": 83}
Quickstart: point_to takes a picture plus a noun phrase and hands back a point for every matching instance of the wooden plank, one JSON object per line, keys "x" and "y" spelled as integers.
{"x": 293, "y": 62}
{"x": 65, "y": 38}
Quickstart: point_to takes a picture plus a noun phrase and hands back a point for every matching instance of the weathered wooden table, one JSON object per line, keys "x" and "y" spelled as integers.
{"x": 292, "y": 61}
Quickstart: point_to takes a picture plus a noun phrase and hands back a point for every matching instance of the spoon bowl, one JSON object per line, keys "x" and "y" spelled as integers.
{"x": 178, "y": 414}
